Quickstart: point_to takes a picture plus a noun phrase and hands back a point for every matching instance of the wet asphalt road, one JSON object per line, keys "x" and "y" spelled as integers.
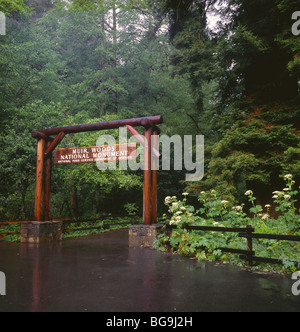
{"x": 102, "y": 274}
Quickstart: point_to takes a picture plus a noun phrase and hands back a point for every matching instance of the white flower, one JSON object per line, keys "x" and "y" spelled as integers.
{"x": 224, "y": 202}
{"x": 275, "y": 196}
{"x": 178, "y": 218}
{"x": 248, "y": 192}
{"x": 286, "y": 189}
{"x": 267, "y": 206}
{"x": 183, "y": 208}
{"x": 215, "y": 223}
{"x": 286, "y": 196}
{"x": 172, "y": 222}
{"x": 167, "y": 199}
{"x": 202, "y": 192}
{"x": 174, "y": 207}
{"x": 265, "y": 217}
{"x": 185, "y": 194}
{"x": 288, "y": 176}
{"x": 238, "y": 208}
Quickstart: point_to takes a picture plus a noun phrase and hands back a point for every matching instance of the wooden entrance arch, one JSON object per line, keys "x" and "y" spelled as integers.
{"x": 47, "y": 144}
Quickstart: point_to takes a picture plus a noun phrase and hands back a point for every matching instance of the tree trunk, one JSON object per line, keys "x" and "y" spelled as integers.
{"x": 73, "y": 202}
{"x": 23, "y": 201}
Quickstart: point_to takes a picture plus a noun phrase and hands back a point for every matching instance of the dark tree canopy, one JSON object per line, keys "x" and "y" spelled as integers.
{"x": 73, "y": 62}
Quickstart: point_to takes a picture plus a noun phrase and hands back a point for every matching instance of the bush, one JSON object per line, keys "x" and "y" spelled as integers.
{"x": 219, "y": 213}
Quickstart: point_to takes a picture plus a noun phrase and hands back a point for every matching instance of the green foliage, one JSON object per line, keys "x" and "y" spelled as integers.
{"x": 29, "y": 67}
{"x": 131, "y": 208}
{"x": 13, "y": 6}
{"x": 74, "y": 63}
{"x": 253, "y": 152}
{"x": 244, "y": 77}
{"x": 76, "y": 229}
{"x": 18, "y": 157}
{"x": 67, "y": 63}
{"x": 258, "y": 49}
{"x": 220, "y": 213}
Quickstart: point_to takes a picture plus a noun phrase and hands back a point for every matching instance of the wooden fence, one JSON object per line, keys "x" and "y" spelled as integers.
{"x": 104, "y": 226}
{"x": 67, "y": 224}
{"x": 248, "y": 232}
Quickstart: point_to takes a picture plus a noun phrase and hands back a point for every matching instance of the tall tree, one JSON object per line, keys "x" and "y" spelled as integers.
{"x": 103, "y": 61}
{"x": 189, "y": 33}
{"x": 260, "y": 50}
{"x": 258, "y": 86}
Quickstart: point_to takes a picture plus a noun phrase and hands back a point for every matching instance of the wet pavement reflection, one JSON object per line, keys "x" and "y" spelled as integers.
{"x": 102, "y": 274}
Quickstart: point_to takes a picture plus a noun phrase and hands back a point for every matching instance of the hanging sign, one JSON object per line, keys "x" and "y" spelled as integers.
{"x": 96, "y": 154}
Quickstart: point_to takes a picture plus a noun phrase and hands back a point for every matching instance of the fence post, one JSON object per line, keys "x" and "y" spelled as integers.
{"x": 249, "y": 245}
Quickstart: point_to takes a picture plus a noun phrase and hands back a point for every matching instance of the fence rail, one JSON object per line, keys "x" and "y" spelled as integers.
{"x": 294, "y": 238}
{"x": 248, "y": 232}
{"x": 68, "y": 221}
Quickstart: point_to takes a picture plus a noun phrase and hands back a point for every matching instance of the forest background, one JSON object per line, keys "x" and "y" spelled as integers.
{"x": 84, "y": 61}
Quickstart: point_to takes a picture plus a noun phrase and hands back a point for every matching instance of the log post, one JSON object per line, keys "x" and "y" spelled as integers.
{"x": 154, "y": 170}
{"x": 39, "y": 213}
{"x": 54, "y": 143}
{"x": 47, "y": 194}
{"x": 147, "y": 178}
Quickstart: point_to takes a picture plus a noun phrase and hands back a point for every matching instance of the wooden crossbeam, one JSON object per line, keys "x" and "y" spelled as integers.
{"x": 141, "y": 139}
{"x": 54, "y": 143}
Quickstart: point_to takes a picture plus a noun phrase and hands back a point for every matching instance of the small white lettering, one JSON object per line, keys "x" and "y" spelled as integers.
{"x": 172, "y": 322}
{"x": 296, "y": 285}
{"x": 2, "y": 283}
{"x": 119, "y": 322}
{"x": 2, "y": 24}
{"x": 296, "y": 25}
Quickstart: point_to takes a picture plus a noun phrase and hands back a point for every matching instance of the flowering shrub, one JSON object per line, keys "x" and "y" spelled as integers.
{"x": 217, "y": 212}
